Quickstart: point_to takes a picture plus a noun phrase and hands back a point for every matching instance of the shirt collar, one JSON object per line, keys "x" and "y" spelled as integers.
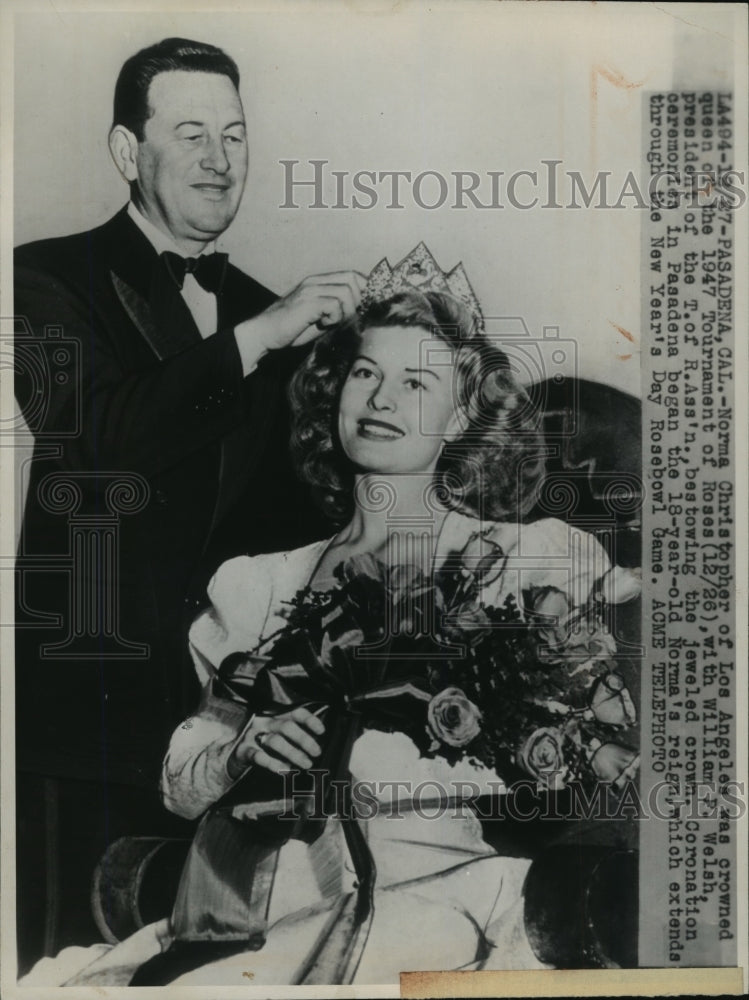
{"x": 160, "y": 241}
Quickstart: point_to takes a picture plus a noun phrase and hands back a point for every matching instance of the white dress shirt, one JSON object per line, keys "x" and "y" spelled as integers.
{"x": 202, "y": 304}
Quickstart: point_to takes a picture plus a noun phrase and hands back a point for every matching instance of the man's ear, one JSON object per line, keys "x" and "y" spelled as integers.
{"x": 124, "y": 149}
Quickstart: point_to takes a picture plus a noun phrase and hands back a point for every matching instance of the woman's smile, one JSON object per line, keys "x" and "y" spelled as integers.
{"x": 378, "y": 430}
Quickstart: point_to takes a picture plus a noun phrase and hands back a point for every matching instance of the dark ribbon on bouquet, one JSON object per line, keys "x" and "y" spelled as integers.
{"x": 226, "y": 886}
{"x": 349, "y": 692}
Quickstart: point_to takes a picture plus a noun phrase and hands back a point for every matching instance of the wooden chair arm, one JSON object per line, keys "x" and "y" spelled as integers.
{"x": 581, "y": 906}
{"x": 135, "y": 883}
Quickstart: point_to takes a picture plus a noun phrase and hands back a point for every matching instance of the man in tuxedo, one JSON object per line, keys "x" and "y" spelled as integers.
{"x": 160, "y": 449}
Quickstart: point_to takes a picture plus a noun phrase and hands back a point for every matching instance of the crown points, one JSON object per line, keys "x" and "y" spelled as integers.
{"x": 420, "y": 271}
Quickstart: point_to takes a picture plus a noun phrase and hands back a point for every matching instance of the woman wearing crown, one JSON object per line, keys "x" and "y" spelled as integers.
{"x": 421, "y": 445}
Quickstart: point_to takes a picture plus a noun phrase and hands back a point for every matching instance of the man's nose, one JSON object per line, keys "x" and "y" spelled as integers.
{"x": 214, "y": 157}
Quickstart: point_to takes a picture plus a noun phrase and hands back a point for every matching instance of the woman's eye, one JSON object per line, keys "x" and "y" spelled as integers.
{"x": 362, "y": 373}
{"x": 414, "y": 383}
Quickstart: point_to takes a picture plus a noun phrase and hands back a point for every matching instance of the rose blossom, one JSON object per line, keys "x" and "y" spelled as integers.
{"x": 483, "y": 557}
{"x": 452, "y": 718}
{"x": 568, "y": 636}
{"x": 614, "y": 763}
{"x": 611, "y": 702}
{"x": 541, "y": 756}
{"x": 620, "y": 585}
{"x": 552, "y": 603}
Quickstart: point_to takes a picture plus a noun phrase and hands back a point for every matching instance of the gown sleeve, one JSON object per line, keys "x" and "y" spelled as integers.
{"x": 194, "y": 773}
{"x": 547, "y": 553}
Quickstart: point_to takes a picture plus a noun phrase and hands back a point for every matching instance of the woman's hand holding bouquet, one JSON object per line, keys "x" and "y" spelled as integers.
{"x": 278, "y": 743}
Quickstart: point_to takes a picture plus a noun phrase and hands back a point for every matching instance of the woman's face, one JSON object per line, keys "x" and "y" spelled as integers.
{"x": 397, "y": 405}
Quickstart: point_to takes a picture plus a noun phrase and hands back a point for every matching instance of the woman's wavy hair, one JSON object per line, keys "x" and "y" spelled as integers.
{"x": 492, "y": 470}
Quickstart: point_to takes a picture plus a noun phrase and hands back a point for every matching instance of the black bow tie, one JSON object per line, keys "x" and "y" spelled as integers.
{"x": 208, "y": 269}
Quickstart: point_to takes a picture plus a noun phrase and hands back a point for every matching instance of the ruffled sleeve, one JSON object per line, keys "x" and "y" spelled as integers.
{"x": 241, "y": 595}
{"x": 194, "y": 773}
{"x": 546, "y": 553}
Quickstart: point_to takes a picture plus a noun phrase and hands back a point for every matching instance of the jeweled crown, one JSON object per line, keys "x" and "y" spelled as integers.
{"x": 419, "y": 270}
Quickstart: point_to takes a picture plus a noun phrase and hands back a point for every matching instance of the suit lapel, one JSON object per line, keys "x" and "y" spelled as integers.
{"x": 145, "y": 289}
{"x": 159, "y": 313}
{"x": 176, "y": 328}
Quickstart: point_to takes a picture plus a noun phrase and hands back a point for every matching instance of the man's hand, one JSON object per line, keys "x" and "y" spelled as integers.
{"x": 278, "y": 743}
{"x": 318, "y": 302}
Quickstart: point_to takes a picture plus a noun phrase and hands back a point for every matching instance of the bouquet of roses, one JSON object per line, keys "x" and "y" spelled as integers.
{"x": 532, "y": 690}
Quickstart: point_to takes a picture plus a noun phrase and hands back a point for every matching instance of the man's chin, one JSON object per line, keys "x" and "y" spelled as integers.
{"x": 210, "y": 227}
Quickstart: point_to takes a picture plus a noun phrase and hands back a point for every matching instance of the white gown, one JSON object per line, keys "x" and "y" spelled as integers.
{"x": 444, "y": 899}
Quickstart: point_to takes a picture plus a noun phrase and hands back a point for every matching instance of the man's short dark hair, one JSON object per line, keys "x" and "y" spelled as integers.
{"x": 131, "y": 107}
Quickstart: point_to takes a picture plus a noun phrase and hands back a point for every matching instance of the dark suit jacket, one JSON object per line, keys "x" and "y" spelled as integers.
{"x": 154, "y": 460}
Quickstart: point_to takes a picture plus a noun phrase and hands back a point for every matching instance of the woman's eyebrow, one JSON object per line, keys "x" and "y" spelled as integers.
{"x": 423, "y": 371}
{"x": 363, "y": 357}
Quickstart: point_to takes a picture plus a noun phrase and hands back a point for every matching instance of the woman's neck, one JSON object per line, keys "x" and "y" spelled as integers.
{"x": 389, "y": 507}
{"x": 396, "y": 518}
